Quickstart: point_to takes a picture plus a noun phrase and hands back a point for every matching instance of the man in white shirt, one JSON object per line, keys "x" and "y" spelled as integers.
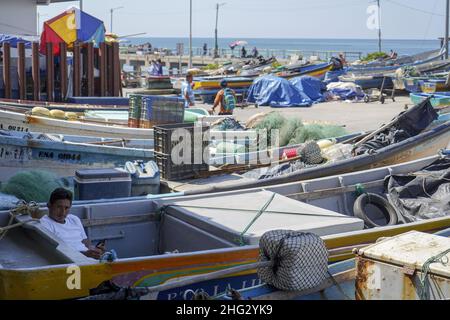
{"x": 67, "y": 226}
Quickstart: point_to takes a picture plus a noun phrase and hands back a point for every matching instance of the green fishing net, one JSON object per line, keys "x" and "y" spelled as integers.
{"x": 34, "y": 185}
{"x": 293, "y": 131}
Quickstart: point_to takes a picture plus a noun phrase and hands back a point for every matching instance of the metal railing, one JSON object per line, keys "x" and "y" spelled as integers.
{"x": 278, "y": 53}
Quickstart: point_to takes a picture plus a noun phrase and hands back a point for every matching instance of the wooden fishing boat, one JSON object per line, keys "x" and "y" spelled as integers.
{"x": 315, "y": 70}
{"x": 391, "y": 65}
{"x": 34, "y": 151}
{"x": 424, "y": 144}
{"x": 35, "y": 264}
{"x": 17, "y": 120}
{"x": 433, "y": 85}
{"x": 438, "y": 100}
{"x": 89, "y": 104}
{"x": 368, "y": 82}
{"x": 347, "y": 283}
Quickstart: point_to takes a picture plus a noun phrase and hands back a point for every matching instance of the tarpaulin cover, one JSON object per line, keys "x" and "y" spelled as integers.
{"x": 408, "y": 124}
{"x": 70, "y": 26}
{"x": 13, "y": 40}
{"x": 277, "y": 92}
{"x": 420, "y": 195}
{"x": 345, "y": 90}
{"x": 310, "y": 86}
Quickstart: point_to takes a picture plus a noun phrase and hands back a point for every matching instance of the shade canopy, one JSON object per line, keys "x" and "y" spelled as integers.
{"x": 71, "y": 26}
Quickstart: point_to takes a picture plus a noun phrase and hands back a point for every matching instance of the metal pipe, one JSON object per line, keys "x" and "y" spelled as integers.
{"x": 190, "y": 34}
{"x": 447, "y": 10}
{"x": 379, "y": 26}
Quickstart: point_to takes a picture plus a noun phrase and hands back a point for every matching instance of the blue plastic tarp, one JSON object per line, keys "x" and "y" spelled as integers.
{"x": 310, "y": 86}
{"x": 13, "y": 40}
{"x": 346, "y": 93}
{"x": 277, "y": 92}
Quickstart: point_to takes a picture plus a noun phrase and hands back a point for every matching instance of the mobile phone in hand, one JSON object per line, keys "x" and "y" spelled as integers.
{"x": 101, "y": 243}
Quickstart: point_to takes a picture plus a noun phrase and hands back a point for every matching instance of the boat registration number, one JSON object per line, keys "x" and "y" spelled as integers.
{"x": 13, "y": 128}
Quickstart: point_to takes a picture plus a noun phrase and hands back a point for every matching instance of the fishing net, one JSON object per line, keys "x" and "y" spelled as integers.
{"x": 300, "y": 260}
{"x": 34, "y": 185}
{"x": 294, "y": 131}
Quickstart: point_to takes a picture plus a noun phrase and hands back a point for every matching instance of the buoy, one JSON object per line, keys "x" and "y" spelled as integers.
{"x": 71, "y": 116}
{"x": 40, "y": 111}
{"x": 59, "y": 114}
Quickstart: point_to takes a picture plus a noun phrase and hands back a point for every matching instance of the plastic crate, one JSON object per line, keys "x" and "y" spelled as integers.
{"x": 171, "y": 171}
{"x": 163, "y": 136}
{"x": 161, "y": 110}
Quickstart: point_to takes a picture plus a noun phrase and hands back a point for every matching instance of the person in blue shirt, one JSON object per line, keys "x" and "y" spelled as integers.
{"x": 159, "y": 67}
{"x": 187, "y": 92}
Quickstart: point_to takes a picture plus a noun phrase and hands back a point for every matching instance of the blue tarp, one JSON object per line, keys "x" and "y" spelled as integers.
{"x": 277, "y": 92}
{"x": 310, "y": 86}
{"x": 13, "y": 40}
{"x": 347, "y": 93}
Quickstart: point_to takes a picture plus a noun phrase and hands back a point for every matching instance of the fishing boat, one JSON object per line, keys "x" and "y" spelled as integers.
{"x": 150, "y": 236}
{"x": 81, "y": 105}
{"x": 425, "y": 143}
{"x": 348, "y": 280}
{"x": 314, "y": 70}
{"x": 368, "y": 81}
{"x": 439, "y": 100}
{"x": 391, "y": 65}
{"x": 37, "y": 151}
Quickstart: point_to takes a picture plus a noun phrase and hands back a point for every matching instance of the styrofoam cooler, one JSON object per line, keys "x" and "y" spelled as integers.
{"x": 91, "y": 184}
{"x": 145, "y": 177}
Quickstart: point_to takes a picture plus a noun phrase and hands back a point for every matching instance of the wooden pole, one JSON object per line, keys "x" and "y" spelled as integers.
{"x": 6, "y": 69}
{"x": 76, "y": 70}
{"x": 21, "y": 71}
{"x": 90, "y": 69}
{"x": 63, "y": 69}
{"x": 50, "y": 72}
{"x": 116, "y": 69}
{"x": 102, "y": 68}
{"x": 36, "y": 72}
{"x": 110, "y": 69}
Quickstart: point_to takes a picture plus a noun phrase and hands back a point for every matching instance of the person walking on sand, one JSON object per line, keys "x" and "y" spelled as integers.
{"x": 226, "y": 98}
{"x": 187, "y": 92}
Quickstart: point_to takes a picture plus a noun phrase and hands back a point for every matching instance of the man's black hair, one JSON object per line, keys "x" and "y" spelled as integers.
{"x": 60, "y": 194}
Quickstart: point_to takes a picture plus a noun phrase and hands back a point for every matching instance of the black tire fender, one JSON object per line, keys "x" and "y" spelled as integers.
{"x": 378, "y": 201}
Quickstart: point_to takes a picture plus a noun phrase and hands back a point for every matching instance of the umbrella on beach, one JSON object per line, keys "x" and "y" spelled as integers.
{"x": 71, "y": 26}
{"x": 238, "y": 43}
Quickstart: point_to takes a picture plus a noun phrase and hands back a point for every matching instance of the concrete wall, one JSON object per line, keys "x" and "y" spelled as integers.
{"x": 18, "y": 17}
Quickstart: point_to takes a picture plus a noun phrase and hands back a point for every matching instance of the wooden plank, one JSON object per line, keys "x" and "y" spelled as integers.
{"x": 63, "y": 69}
{"x": 50, "y": 71}
{"x": 116, "y": 69}
{"x": 21, "y": 75}
{"x": 7, "y": 69}
{"x": 76, "y": 70}
{"x": 36, "y": 71}
{"x": 90, "y": 69}
{"x": 110, "y": 75}
{"x": 102, "y": 68}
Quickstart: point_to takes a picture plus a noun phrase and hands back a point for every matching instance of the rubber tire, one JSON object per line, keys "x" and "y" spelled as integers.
{"x": 366, "y": 99}
{"x": 378, "y": 201}
{"x": 382, "y": 99}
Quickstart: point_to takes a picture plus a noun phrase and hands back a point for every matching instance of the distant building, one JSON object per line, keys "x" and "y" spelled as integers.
{"x": 19, "y": 17}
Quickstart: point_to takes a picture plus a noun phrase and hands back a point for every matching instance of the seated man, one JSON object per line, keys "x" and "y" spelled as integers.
{"x": 226, "y": 98}
{"x": 67, "y": 226}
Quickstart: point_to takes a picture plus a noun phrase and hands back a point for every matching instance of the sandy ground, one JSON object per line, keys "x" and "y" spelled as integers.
{"x": 354, "y": 116}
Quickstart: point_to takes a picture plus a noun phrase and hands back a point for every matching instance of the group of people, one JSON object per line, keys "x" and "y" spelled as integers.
{"x": 225, "y": 99}
{"x": 156, "y": 68}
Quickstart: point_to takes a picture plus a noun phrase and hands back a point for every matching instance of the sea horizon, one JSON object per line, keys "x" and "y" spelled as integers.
{"x": 365, "y": 46}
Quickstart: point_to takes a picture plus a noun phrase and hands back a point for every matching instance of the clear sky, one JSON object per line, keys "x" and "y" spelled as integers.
{"x": 400, "y": 19}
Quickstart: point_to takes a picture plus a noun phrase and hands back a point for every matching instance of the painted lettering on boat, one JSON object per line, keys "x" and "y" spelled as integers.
{"x": 14, "y": 153}
{"x": 213, "y": 288}
{"x": 13, "y": 128}
{"x": 59, "y": 156}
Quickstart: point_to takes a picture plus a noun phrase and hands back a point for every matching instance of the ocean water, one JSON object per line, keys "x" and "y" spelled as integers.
{"x": 307, "y": 45}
